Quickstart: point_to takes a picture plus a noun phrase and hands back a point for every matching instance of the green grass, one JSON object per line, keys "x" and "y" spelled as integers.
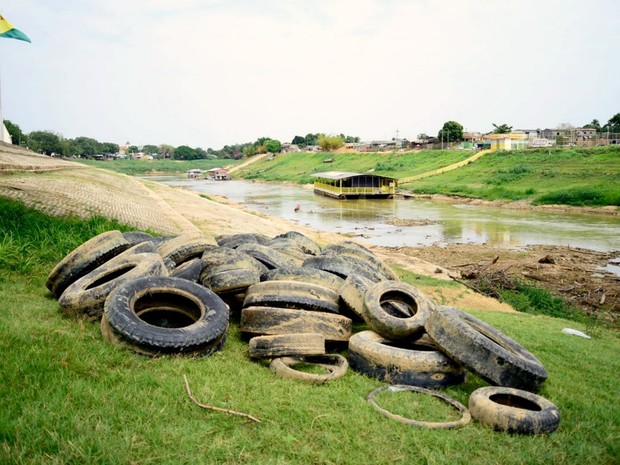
{"x": 136, "y": 167}
{"x": 68, "y": 397}
{"x": 576, "y": 176}
{"x": 299, "y": 167}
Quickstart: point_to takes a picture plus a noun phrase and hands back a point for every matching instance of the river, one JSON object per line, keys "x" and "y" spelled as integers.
{"x": 414, "y": 222}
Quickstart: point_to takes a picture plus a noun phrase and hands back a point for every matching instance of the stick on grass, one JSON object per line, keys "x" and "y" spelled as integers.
{"x": 217, "y": 409}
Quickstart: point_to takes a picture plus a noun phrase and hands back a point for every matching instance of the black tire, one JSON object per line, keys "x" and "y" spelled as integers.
{"x": 396, "y": 326}
{"x": 463, "y": 421}
{"x": 287, "y": 345}
{"x": 84, "y": 259}
{"x": 229, "y": 271}
{"x": 231, "y": 281}
{"x": 136, "y": 237}
{"x": 189, "y": 270}
{"x": 289, "y": 247}
{"x": 413, "y": 362}
{"x": 86, "y": 296}
{"x": 292, "y": 294}
{"x": 341, "y": 266}
{"x": 514, "y": 410}
{"x": 232, "y": 241}
{"x": 485, "y": 350}
{"x": 184, "y": 248}
{"x": 307, "y": 245}
{"x": 349, "y": 248}
{"x": 272, "y": 259}
{"x": 334, "y": 364}
{"x": 256, "y": 321}
{"x": 352, "y": 293}
{"x": 164, "y": 315}
{"x": 306, "y": 275}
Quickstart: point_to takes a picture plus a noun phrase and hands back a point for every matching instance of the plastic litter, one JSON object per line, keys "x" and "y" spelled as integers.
{"x": 575, "y": 332}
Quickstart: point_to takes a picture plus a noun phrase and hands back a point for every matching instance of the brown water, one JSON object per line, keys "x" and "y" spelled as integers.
{"x": 448, "y": 223}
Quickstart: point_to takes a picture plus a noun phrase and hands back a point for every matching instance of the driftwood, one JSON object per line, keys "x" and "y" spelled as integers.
{"x": 217, "y": 409}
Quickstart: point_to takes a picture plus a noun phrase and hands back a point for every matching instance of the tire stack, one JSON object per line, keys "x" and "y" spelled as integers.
{"x": 296, "y": 303}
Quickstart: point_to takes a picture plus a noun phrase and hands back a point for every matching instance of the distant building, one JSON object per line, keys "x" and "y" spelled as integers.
{"x": 510, "y": 141}
{"x": 578, "y": 136}
{"x": 218, "y": 174}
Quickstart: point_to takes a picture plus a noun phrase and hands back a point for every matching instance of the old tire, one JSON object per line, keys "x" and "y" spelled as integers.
{"x": 164, "y": 315}
{"x": 232, "y": 241}
{"x": 395, "y": 325}
{"x": 189, "y": 270}
{"x": 356, "y": 250}
{"x": 292, "y": 294}
{"x": 84, "y": 259}
{"x": 306, "y": 275}
{"x": 228, "y": 271}
{"x": 485, "y": 350}
{"x": 514, "y": 410}
{"x": 307, "y": 245}
{"x": 287, "y": 345}
{"x": 269, "y": 257}
{"x": 412, "y": 363}
{"x": 184, "y": 248}
{"x": 352, "y": 293}
{"x": 86, "y": 296}
{"x": 335, "y": 365}
{"x": 342, "y": 266}
{"x": 256, "y": 321}
{"x": 136, "y": 237}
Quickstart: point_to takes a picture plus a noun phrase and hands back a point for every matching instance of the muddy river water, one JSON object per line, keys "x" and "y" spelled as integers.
{"x": 414, "y": 222}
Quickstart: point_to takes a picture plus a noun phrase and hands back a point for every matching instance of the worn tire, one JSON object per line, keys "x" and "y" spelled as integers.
{"x": 184, "y": 248}
{"x": 352, "y": 293}
{"x": 289, "y": 247}
{"x": 335, "y": 365}
{"x": 485, "y": 350}
{"x": 349, "y": 248}
{"x": 232, "y": 241}
{"x": 164, "y": 315}
{"x": 306, "y": 275}
{"x": 396, "y": 326}
{"x": 307, "y": 245}
{"x": 514, "y": 410}
{"x": 189, "y": 270}
{"x": 136, "y": 237}
{"x": 287, "y": 345}
{"x": 86, "y": 296}
{"x": 341, "y": 266}
{"x": 229, "y": 271}
{"x": 413, "y": 362}
{"x": 84, "y": 259}
{"x": 292, "y": 294}
{"x": 256, "y": 321}
{"x": 272, "y": 259}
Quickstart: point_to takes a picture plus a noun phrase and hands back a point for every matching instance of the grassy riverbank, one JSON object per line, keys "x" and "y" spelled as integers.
{"x": 69, "y": 397}
{"x": 137, "y": 167}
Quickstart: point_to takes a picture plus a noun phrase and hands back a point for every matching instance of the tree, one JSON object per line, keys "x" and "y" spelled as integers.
{"x": 109, "y": 148}
{"x": 184, "y": 152}
{"x": 249, "y": 150}
{"x": 329, "y": 143}
{"x": 151, "y": 149}
{"x": 450, "y": 132}
{"x": 423, "y": 136}
{"x": 133, "y": 149}
{"x": 593, "y": 125}
{"x": 299, "y": 140}
{"x": 273, "y": 146}
{"x": 613, "y": 125}
{"x": 45, "y": 142}
{"x": 17, "y": 136}
{"x": 311, "y": 138}
{"x": 86, "y": 147}
{"x": 166, "y": 151}
{"x": 502, "y": 129}
{"x": 200, "y": 153}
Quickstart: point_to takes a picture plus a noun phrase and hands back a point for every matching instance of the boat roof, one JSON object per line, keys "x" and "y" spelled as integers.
{"x": 344, "y": 175}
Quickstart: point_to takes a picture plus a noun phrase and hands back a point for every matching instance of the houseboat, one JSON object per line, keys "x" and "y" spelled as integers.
{"x": 344, "y": 185}
{"x": 195, "y": 173}
{"x": 218, "y": 174}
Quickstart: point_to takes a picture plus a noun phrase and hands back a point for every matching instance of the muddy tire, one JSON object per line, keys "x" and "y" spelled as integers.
{"x": 413, "y": 363}
{"x": 352, "y": 294}
{"x": 514, "y": 410}
{"x": 287, "y": 345}
{"x": 289, "y": 247}
{"x": 292, "y": 294}
{"x": 395, "y": 325}
{"x": 349, "y": 248}
{"x": 307, "y": 245}
{"x": 334, "y": 364}
{"x": 228, "y": 271}
{"x": 341, "y": 266}
{"x": 232, "y": 241}
{"x": 84, "y": 259}
{"x": 162, "y": 315}
{"x": 189, "y": 270}
{"x": 485, "y": 350}
{"x": 184, "y": 248}
{"x": 257, "y": 321}
{"x": 305, "y": 275}
{"x": 272, "y": 259}
{"x": 136, "y": 237}
{"x": 86, "y": 296}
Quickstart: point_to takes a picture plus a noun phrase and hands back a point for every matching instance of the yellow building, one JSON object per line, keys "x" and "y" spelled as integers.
{"x": 511, "y": 141}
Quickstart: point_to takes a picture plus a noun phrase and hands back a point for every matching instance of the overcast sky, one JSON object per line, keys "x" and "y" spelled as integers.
{"x": 207, "y": 73}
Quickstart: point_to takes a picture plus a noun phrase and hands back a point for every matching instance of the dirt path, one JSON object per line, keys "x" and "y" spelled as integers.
{"x": 451, "y": 167}
{"x": 249, "y": 161}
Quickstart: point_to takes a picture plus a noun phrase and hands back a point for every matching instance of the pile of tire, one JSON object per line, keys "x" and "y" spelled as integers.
{"x": 296, "y": 303}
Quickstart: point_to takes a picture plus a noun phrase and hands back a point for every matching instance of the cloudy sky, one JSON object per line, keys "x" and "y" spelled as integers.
{"x": 206, "y": 73}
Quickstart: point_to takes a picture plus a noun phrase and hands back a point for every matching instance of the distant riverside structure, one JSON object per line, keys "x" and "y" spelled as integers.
{"x": 218, "y": 174}
{"x": 345, "y": 185}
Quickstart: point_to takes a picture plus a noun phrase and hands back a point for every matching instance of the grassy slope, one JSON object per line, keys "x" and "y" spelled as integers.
{"x": 532, "y": 174}
{"x": 133, "y": 167}
{"x": 67, "y": 396}
{"x": 299, "y": 167}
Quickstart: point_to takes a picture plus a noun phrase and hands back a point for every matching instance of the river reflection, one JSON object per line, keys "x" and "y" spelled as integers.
{"x": 447, "y": 223}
